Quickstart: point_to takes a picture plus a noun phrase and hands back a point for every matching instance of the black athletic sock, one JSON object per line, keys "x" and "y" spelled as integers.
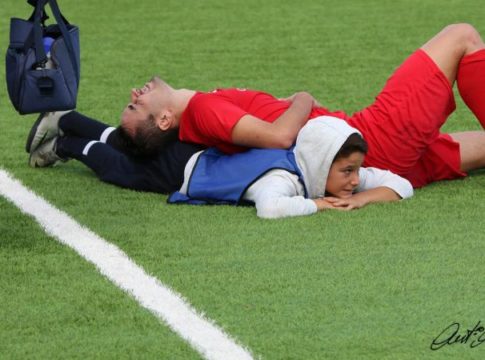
{"x": 71, "y": 147}
{"x": 74, "y": 123}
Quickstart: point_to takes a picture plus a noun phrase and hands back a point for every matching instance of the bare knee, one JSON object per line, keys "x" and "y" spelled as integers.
{"x": 472, "y": 149}
{"x": 465, "y": 36}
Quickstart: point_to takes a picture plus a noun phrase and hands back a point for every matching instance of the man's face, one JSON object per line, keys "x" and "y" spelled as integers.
{"x": 343, "y": 176}
{"x": 144, "y": 101}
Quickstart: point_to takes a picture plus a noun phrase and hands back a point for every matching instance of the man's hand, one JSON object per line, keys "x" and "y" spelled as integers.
{"x": 281, "y": 133}
{"x": 299, "y": 94}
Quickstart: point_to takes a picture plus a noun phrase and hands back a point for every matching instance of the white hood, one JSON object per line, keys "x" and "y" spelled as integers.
{"x": 316, "y": 146}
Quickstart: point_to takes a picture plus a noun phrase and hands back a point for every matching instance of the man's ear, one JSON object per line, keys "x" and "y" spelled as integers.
{"x": 164, "y": 122}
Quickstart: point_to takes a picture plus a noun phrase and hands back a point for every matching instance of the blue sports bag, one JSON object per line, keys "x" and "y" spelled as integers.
{"x": 43, "y": 62}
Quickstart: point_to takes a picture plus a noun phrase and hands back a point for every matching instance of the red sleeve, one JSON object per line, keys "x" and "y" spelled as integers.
{"x": 209, "y": 119}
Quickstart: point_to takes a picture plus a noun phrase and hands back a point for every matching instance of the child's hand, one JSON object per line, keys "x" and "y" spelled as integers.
{"x": 323, "y": 204}
{"x": 345, "y": 204}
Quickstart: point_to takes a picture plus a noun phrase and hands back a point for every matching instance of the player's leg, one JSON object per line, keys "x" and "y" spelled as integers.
{"x": 79, "y": 125}
{"x": 406, "y": 115}
{"x": 459, "y": 52}
{"x": 162, "y": 173}
{"x": 418, "y": 98}
{"x": 449, "y": 157}
{"x": 450, "y": 45}
{"x": 472, "y": 149}
{"x": 49, "y": 125}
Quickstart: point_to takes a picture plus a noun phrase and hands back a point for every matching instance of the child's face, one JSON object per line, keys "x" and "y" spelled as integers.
{"x": 343, "y": 177}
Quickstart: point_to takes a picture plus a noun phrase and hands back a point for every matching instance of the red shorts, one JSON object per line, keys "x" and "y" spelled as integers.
{"x": 402, "y": 125}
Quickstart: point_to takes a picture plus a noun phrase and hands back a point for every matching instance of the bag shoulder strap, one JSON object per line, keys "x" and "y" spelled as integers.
{"x": 62, "y": 22}
{"x": 32, "y": 16}
{"x": 40, "y": 56}
{"x": 39, "y": 17}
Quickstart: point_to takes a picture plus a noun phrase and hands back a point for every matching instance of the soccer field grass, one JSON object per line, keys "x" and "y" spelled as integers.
{"x": 377, "y": 283}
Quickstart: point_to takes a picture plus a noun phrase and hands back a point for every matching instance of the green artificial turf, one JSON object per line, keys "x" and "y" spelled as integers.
{"x": 55, "y": 306}
{"x": 378, "y": 283}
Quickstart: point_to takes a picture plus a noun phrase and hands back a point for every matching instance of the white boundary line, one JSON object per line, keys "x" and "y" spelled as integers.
{"x": 202, "y": 334}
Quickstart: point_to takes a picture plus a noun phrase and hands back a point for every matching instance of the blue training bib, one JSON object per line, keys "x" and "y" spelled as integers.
{"x": 218, "y": 178}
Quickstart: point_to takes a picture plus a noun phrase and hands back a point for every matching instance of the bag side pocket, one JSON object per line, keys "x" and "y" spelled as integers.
{"x": 45, "y": 90}
{"x": 14, "y": 62}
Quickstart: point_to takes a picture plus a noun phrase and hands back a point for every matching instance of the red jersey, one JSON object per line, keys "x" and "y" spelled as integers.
{"x": 210, "y": 117}
{"x": 401, "y": 126}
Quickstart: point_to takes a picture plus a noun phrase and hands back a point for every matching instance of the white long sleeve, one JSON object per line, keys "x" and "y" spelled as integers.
{"x": 279, "y": 194}
{"x": 371, "y": 178}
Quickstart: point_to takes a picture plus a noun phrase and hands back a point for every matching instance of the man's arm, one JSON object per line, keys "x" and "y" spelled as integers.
{"x": 253, "y": 132}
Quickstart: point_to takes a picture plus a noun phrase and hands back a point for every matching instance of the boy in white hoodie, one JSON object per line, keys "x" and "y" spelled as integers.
{"x": 322, "y": 171}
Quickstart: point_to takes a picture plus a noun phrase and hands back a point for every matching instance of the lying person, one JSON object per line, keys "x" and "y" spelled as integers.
{"x": 71, "y": 135}
{"x": 322, "y": 171}
{"x": 61, "y": 136}
{"x": 402, "y": 126}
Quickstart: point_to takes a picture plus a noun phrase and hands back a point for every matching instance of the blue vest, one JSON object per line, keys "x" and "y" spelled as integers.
{"x": 218, "y": 178}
